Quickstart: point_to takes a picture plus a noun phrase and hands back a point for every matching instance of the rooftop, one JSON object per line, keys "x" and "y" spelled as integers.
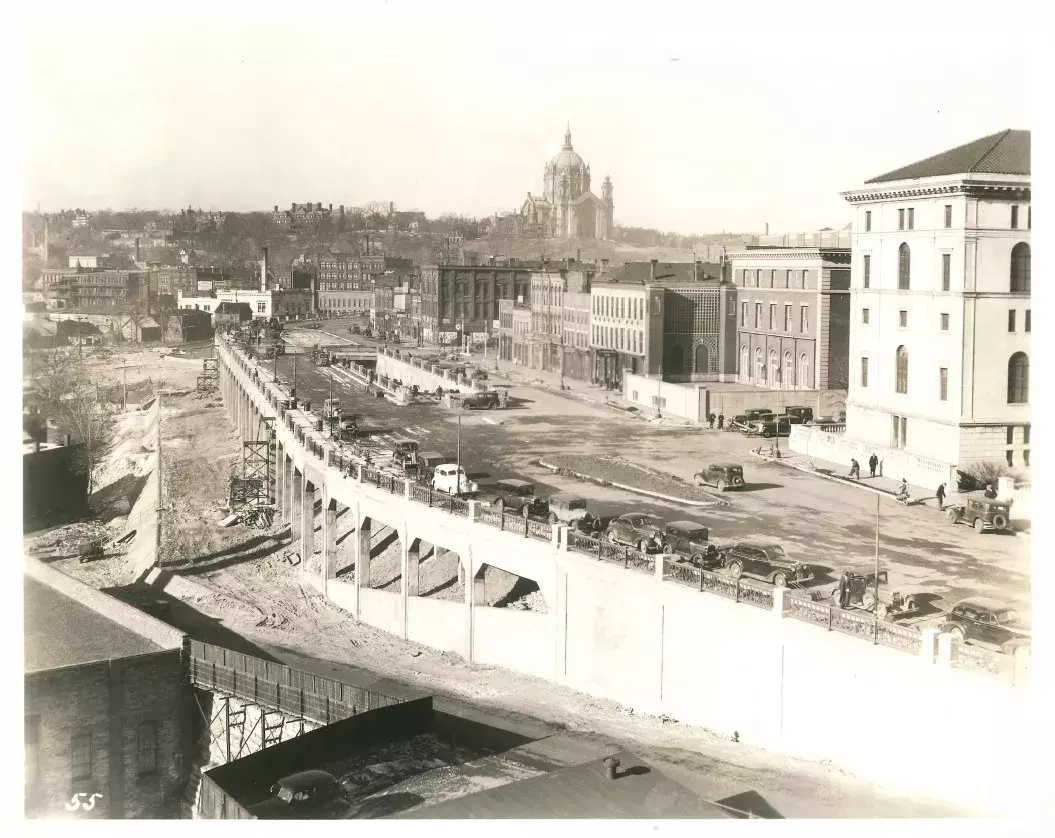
{"x": 1005, "y": 153}
{"x": 581, "y": 792}
{"x": 640, "y": 273}
{"x": 62, "y": 631}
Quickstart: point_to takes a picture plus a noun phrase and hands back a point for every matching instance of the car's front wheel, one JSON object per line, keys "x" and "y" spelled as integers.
{"x": 553, "y": 517}
{"x": 697, "y": 560}
{"x": 720, "y": 485}
{"x": 736, "y": 569}
{"x": 668, "y": 549}
{"x": 780, "y": 580}
{"x": 612, "y": 539}
{"x": 642, "y": 546}
{"x": 979, "y": 526}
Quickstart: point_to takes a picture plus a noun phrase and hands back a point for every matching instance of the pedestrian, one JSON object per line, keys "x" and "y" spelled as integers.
{"x": 990, "y": 491}
{"x": 710, "y": 421}
{"x": 873, "y": 461}
{"x": 721, "y": 421}
{"x": 902, "y": 492}
{"x": 855, "y": 470}
{"x": 844, "y": 589}
{"x": 940, "y": 494}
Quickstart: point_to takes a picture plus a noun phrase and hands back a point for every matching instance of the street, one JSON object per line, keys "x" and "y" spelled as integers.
{"x": 823, "y": 523}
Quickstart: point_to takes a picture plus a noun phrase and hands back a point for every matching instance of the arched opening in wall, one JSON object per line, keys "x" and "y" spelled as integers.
{"x": 774, "y": 368}
{"x": 502, "y": 589}
{"x": 439, "y": 573}
{"x": 343, "y": 562}
{"x": 386, "y": 558}
{"x": 789, "y": 369}
{"x": 760, "y": 365}
{"x": 804, "y": 371}
{"x": 745, "y": 362}
{"x": 702, "y": 359}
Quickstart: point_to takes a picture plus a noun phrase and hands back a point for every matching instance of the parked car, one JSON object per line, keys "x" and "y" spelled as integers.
{"x": 984, "y": 514}
{"x": 758, "y": 413}
{"x": 774, "y": 427}
{"x": 791, "y": 419}
{"x": 764, "y": 561}
{"x": 331, "y": 408}
{"x": 986, "y": 620}
{"x": 566, "y": 509}
{"x": 481, "y": 401}
{"x": 691, "y": 540}
{"x": 738, "y": 423}
{"x": 404, "y": 453}
{"x": 308, "y": 795}
{"x": 593, "y": 525}
{"x": 515, "y": 494}
{"x": 452, "y": 479}
{"x": 635, "y": 529}
{"x": 427, "y": 463}
{"x": 348, "y": 428}
{"x": 863, "y": 595}
{"x": 721, "y": 475}
{"x": 805, "y": 414}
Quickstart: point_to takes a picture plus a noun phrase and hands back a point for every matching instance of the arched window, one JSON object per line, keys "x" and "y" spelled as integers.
{"x": 804, "y": 371}
{"x": 760, "y": 365}
{"x": 901, "y": 371}
{"x": 789, "y": 369}
{"x": 745, "y": 364}
{"x": 904, "y": 267}
{"x": 1018, "y": 379}
{"x": 1020, "y": 259}
{"x": 774, "y": 367}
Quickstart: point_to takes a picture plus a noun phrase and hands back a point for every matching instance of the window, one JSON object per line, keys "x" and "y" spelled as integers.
{"x": 81, "y": 757}
{"x": 772, "y": 279}
{"x": 904, "y": 266}
{"x": 760, "y": 365}
{"x": 1025, "y": 434}
{"x": 804, "y": 320}
{"x": 943, "y": 384}
{"x": 743, "y": 315}
{"x": 1010, "y": 457}
{"x": 772, "y": 316}
{"x": 867, "y": 271}
{"x": 946, "y": 271}
{"x": 804, "y": 371}
{"x": 1020, "y": 268}
{"x": 147, "y": 749}
{"x": 911, "y": 218}
{"x": 944, "y": 322}
{"x": 864, "y": 372}
{"x": 868, "y": 221}
{"x": 901, "y": 219}
{"x": 758, "y": 315}
{"x": 1010, "y": 434}
{"x": 787, "y": 279}
{"x": 1018, "y": 379}
{"x": 902, "y": 319}
{"x": 901, "y": 371}
{"x": 948, "y": 216}
{"x": 864, "y": 316}
{"x": 789, "y": 369}
{"x": 260, "y": 307}
{"x": 1029, "y": 324}
{"x": 787, "y": 317}
{"x": 1029, "y": 226}
{"x": 1014, "y": 217}
{"x": 1011, "y": 320}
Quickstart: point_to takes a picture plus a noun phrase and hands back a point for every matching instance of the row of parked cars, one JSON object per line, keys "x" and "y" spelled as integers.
{"x": 761, "y": 421}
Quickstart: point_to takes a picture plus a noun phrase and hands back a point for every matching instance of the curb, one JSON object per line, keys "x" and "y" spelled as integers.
{"x": 598, "y": 481}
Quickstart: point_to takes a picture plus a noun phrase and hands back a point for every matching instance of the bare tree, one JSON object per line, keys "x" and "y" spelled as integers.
{"x": 90, "y": 421}
{"x": 56, "y": 372}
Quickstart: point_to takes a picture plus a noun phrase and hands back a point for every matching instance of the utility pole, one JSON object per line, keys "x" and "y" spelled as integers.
{"x": 876, "y": 611}
{"x": 124, "y": 385}
{"x": 157, "y": 544}
{"x": 459, "y": 478}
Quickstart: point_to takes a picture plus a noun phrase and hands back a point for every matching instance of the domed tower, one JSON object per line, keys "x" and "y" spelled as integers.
{"x": 566, "y": 164}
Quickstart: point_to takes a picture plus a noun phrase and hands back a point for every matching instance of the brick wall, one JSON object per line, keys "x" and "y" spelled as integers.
{"x": 108, "y": 701}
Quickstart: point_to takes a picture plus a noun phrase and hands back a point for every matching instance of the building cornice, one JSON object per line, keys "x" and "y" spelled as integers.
{"x": 971, "y": 189}
{"x": 783, "y": 254}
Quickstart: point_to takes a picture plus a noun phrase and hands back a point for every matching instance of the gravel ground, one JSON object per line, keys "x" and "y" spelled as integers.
{"x": 613, "y": 470}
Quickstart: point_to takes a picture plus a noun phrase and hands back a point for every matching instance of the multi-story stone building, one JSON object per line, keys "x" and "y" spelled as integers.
{"x": 303, "y": 215}
{"x": 343, "y": 268}
{"x": 670, "y": 321}
{"x": 171, "y": 279}
{"x": 345, "y": 303}
{"x": 560, "y": 316}
{"x": 941, "y": 312}
{"x": 463, "y": 300}
{"x": 94, "y": 289}
{"x": 793, "y": 317}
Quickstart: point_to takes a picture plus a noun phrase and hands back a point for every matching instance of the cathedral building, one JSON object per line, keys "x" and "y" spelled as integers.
{"x": 567, "y": 208}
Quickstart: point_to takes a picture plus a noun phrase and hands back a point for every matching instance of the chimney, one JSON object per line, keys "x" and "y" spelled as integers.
{"x": 331, "y": 207}
{"x": 293, "y": 206}
{"x": 652, "y": 271}
{"x": 578, "y": 254}
{"x": 391, "y": 207}
{"x": 137, "y": 249}
{"x": 45, "y": 241}
{"x": 342, "y": 209}
{"x": 767, "y": 228}
{"x": 276, "y": 209}
{"x": 263, "y": 272}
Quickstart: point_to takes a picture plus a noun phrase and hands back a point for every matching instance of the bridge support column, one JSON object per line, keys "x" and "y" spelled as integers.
{"x": 411, "y": 564}
{"x": 287, "y": 500}
{"x": 362, "y": 556}
{"x": 307, "y": 531}
{"x": 296, "y": 508}
{"x": 280, "y": 481}
{"x": 474, "y": 594}
{"x": 329, "y": 538}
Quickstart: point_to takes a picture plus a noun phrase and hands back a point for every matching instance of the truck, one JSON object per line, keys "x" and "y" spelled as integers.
{"x": 320, "y": 357}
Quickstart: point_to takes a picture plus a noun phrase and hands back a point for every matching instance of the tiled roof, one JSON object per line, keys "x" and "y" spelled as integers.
{"x": 1005, "y": 153}
{"x": 580, "y": 792}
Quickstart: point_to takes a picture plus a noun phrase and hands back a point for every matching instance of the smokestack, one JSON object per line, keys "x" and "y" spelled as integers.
{"x": 137, "y": 249}
{"x": 313, "y": 307}
{"x": 767, "y": 228}
{"x": 45, "y": 241}
{"x": 263, "y": 272}
{"x": 652, "y": 271}
{"x": 331, "y": 207}
{"x": 276, "y": 209}
{"x": 342, "y": 209}
{"x": 391, "y": 207}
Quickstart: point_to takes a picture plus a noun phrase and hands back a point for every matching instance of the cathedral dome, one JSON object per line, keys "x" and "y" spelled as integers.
{"x": 568, "y": 159}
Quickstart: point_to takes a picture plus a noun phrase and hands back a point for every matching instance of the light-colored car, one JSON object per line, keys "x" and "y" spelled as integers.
{"x": 452, "y": 479}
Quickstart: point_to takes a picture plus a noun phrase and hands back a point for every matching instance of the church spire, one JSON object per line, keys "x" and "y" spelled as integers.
{"x": 567, "y": 138}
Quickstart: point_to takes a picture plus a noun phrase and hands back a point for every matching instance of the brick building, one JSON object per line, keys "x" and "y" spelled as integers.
{"x": 343, "y": 267}
{"x": 94, "y": 289}
{"x": 793, "y": 317}
{"x": 344, "y": 303}
{"x": 461, "y": 300}
{"x": 107, "y": 709}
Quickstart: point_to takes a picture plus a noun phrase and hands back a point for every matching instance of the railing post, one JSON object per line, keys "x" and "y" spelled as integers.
{"x": 778, "y": 601}
{"x": 406, "y": 488}
{"x": 737, "y": 591}
{"x": 944, "y": 658}
{"x": 928, "y": 642}
{"x": 472, "y": 510}
{"x": 831, "y": 611}
{"x": 626, "y": 558}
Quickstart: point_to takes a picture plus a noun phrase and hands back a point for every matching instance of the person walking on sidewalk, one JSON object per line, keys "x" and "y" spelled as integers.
{"x": 844, "y": 589}
{"x": 940, "y": 494}
{"x": 855, "y": 470}
{"x": 873, "y": 461}
{"x": 721, "y": 421}
{"x": 710, "y": 421}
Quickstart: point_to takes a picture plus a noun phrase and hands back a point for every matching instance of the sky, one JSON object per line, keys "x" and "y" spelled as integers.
{"x": 705, "y": 122}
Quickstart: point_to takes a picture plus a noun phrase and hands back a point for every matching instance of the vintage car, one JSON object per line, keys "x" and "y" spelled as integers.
{"x": 452, "y": 479}
{"x": 514, "y": 494}
{"x": 691, "y": 540}
{"x": 331, "y": 407}
{"x": 982, "y": 513}
{"x": 791, "y": 419}
{"x": 721, "y": 475}
{"x": 347, "y": 428}
{"x": 738, "y": 423}
{"x": 805, "y": 414}
{"x": 775, "y": 427}
{"x": 592, "y": 525}
{"x": 404, "y": 453}
{"x": 307, "y": 795}
{"x": 758, "y": 413}
{"x": 566, "y": 509}
{"x": 764, "y": 561}
{"x": 428, "y": 461}
{"x": 862, "y": 595}
{"x": 635, "y": 529}
{"x": 481, "y": 401}
{"x": 986, "y": 620}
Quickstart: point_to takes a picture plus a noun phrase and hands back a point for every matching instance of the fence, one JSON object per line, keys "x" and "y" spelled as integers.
{"x": 275, "y": 685}
{"x": 859, "y": 624}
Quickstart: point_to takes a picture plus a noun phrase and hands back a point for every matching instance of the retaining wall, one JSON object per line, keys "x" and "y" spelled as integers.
{"x": 905, "y": 718}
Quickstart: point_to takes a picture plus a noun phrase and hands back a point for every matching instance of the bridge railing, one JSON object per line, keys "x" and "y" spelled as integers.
{"x": 859, "y": 624}
{"x": 293, "y": 691}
